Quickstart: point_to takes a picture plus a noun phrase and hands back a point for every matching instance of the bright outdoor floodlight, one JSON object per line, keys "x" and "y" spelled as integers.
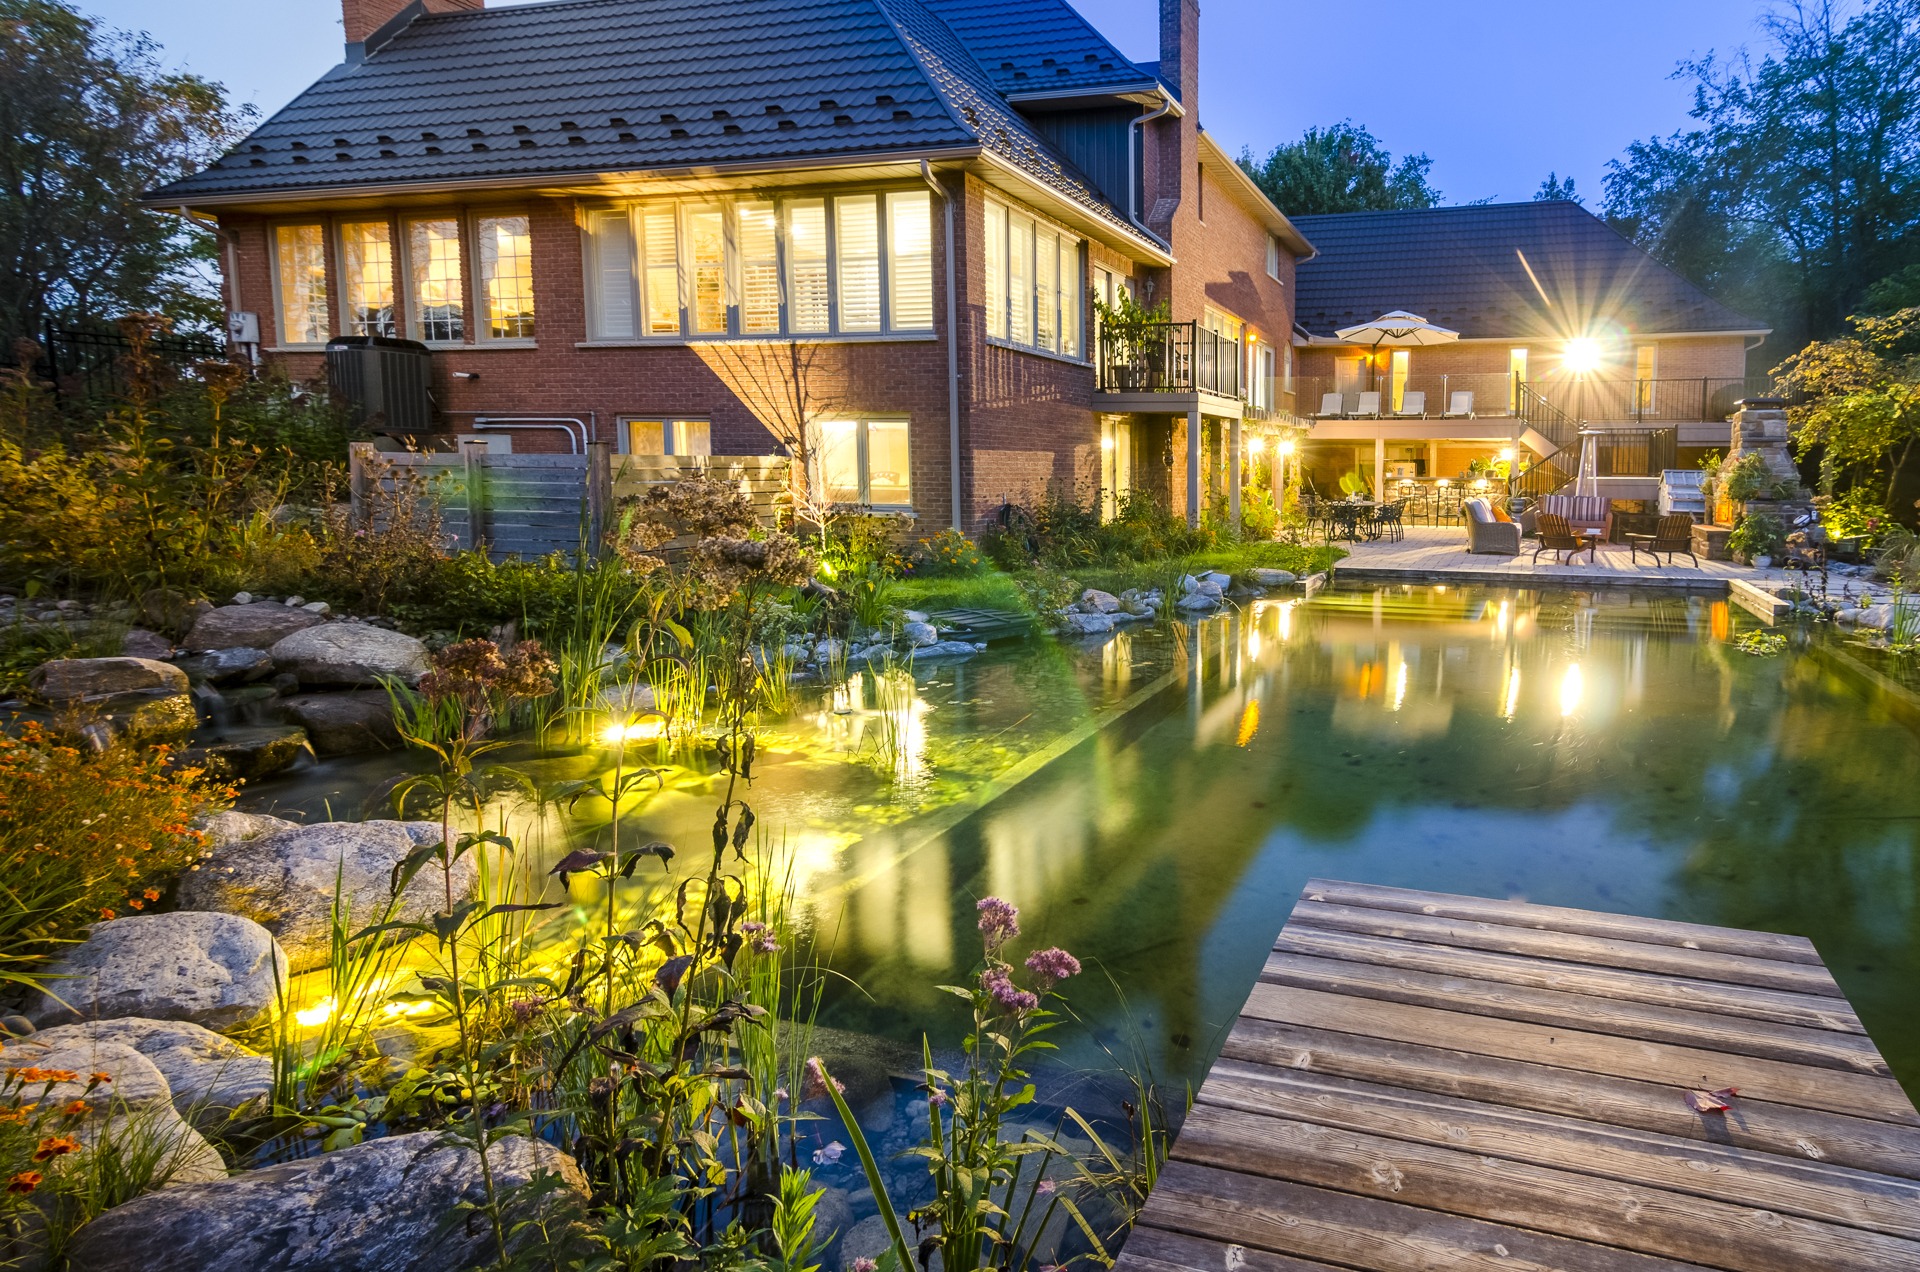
{"x": 1582, "y": 355}
{"x": 1286, "y": 447}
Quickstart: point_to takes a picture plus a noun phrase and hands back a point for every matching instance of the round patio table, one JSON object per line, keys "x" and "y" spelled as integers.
{"x": 1346, "y": 516}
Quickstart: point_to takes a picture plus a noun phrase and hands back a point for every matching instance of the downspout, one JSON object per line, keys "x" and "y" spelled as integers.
{"x": 953, "y": 353}
{"x": 1167, "y": 106}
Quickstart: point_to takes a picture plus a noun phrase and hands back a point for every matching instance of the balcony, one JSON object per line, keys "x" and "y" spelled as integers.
{"x": 1168, "y": 358}
{"x": 1493, "y": 395}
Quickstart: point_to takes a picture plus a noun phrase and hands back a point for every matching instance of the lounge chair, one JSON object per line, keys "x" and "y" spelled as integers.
{"x": 1488, "y": 534}
{"x": 1413, "y": 403}
{"x": 1369, "y": 407}
{"x": 1330, "y": 405}
{"x": 1460, "y": 405}
{"x": 1673, "y": 534}
{"x": 1557, "y": 537}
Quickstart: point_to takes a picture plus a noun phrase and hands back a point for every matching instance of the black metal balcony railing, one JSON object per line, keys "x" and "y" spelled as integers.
{"x": 1633, "y": 452}
{"x": 1701, "y": 399}
{"x": 1169, "y": 357}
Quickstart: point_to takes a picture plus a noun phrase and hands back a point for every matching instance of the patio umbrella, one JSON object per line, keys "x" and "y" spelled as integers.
{"x": 1397, "y": 329}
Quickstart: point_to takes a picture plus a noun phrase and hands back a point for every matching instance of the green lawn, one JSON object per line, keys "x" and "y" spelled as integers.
{"x": 994, "y": 589}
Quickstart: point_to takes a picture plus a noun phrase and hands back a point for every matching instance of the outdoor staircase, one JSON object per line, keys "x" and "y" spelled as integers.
{"x": 1551, "y": 434}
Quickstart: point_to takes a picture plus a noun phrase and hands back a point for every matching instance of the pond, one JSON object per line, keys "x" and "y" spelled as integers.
{"x": 1155, "y": 803}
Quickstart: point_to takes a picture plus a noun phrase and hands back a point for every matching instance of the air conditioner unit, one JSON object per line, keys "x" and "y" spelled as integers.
{"x": 385, "y": 383}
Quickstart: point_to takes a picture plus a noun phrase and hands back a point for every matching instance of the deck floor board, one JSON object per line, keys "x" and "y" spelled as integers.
{"x": 1421, "y": 1081}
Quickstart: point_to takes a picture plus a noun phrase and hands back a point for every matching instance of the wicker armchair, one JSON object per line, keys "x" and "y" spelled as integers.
{"x": 1487, "y": 533}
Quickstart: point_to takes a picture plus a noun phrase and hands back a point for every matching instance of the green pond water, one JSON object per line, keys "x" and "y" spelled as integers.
{"x": 1155, "y": 803}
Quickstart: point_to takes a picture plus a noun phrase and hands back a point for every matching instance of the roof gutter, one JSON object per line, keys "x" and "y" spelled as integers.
{"x": 1146, "y": 242}
{"x": 561, "y": 180}
{"x": 1168, "y": 106}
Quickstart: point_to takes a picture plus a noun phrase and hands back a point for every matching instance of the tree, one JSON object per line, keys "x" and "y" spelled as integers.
{"x": 1554, "y": 188}
{"x": 1798, "y": 186}
{"x": 1862, "y": 402}
{"x": 1340, "y": 169}
{"x": 88, "y": 123}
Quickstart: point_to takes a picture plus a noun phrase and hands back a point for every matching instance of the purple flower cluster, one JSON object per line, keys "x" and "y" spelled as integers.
{"x": 817, "y": 1079}
{"x": 999, "y": 921}
{"x": 760, "y": 937}
{"x": 1001, "y": 988}
{"x": 1051, "y": 966}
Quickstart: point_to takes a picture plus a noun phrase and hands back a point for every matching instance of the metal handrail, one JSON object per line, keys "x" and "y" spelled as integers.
{"x": 1168, "y": 357}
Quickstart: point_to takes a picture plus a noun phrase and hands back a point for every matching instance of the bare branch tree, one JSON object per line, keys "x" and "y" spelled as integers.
{"x": 778, "y": 382}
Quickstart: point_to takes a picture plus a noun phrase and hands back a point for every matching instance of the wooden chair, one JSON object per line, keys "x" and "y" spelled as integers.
{"x": 1673, "y": 534}
{"x": 1558, "y": 537}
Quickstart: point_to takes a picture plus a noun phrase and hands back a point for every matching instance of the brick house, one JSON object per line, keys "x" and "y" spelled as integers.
{"x": 1565, "y": 328}
{"x": 864, "y": 232}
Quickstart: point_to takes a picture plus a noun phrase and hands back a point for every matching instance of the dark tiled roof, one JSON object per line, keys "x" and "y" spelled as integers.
{"x": 1513, "y": 270}
{"x": 1037, "y": 46}
{"x": 586, "y": 86}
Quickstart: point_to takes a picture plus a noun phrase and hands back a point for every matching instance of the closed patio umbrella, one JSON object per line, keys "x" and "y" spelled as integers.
{"x": 1586, "y": 479}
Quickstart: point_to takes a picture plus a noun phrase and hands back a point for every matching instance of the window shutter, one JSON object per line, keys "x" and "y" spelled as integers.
{"x": 857, "y": 245}
{"x": 808, "y": 294}
{"x": 910, "y": 259}
{"x": 611, "y": 236}
{"x": 759, "y": 269}
{"x": 663, "y": 270}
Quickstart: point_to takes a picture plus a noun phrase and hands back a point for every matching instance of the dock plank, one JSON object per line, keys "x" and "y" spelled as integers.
{"x": 1419, "y": 1080}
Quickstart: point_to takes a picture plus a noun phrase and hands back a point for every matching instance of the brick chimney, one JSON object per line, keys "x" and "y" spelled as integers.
{"x": 364, "y": 18}
{"x": 1180, "y": 51}
{"x": 1172, "y": 185}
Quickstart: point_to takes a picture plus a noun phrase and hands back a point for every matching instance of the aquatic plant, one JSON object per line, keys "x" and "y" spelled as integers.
{"x": 1761, "y": 644}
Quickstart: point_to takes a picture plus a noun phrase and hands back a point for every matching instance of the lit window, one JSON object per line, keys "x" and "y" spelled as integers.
{"x": 436, "y": 296}
{"x": 658, "y": 240}
{"x": 865, "y": 462}
{"x": 300, "y": 262}
{"x": 810, "y": 297}
{"x": 759, "y": 269}
{"x": 506, "y": 277}
{"x": 910, "y": 253}
{"x": 613, "y": 302}
{"x": 1034, "y": 293}
{"x": 366, "y": 267}
{"x": 1516, "y": 376}
{"x": 1116, "y": 464}
{"x": 856, "y": 232}
{"x": 707, "y": 269}
{"x": 1646, "y": 371}
{"x": 669, "y": 437}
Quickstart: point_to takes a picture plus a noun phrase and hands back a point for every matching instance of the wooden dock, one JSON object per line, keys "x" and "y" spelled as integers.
{"x": 1424, "y": 1081}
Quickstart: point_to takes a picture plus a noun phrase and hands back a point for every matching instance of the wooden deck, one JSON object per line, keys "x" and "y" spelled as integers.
{"x": 1439, "y": 554}
{"x": 1423, "y": 1081}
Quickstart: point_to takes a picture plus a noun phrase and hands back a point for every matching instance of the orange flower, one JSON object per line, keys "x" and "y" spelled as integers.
{"x": 55, "y": 1146}
{"x": 25, "y": 1182}
{"x": 13, "y": 1115}
{"x": 105, "y": 913}
{"x": 151, "y": 894}
{"x": 99, "y": 1077}
{"x": 33, "y": 1073}
{"x": 76, "y": 1109}
{"x": 137, "y": 904}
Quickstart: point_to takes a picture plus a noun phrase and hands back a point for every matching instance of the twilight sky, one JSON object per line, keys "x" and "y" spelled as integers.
{"x": 1497, "y": 92}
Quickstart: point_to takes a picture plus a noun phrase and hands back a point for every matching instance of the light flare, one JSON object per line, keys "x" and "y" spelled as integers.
{"x": 1572, "y": 686}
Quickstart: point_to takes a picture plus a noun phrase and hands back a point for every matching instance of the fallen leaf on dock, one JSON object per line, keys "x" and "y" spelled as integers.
{"x": 1712, "y": 1101}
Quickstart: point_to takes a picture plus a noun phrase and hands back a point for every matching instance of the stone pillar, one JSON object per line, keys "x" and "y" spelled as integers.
{"x": 1193, "y": 466}
{"x": 1233, "y": 474}
{"x": 1760, "y": 428}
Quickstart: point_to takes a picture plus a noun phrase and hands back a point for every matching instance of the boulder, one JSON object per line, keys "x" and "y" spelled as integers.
{"x": 920, "y": 635}
{"x": 1219, "y": 580}
{"x": 1094, "y": 601}
{"x": 349, "y": 654}
{"x": 1138, "y": 605}
{"x": 234, "y": 666}
{"x": 948, "y": 649}
{"x": 1074, "y": 623}
{"x": 208, "y": 1077}
{"x": 168, "y": 611}
{"x": 345, "y": 723}
{"x": 141, "y": 643}
{"x": 249, "y": 753}
{"x": 285, "y": 881}
{"x": 1194, "y": 601}
{"x": 141, "y": 716}
{"x": 1272, "y": 578}
{"x": 255, "y": 625}
{"x": 70, "y": 680}
{"x": 134, "y": 1104}
{"x": 218, "y": 970}
{"x": 226, "y": 828}
{"x": 382, "y": 1205}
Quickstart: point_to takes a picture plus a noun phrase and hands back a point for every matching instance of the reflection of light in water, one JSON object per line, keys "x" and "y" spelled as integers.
{"x": 633, "y": 730}
{"x": 1249, "y": 722}
{"x": 393, "y": 1011}
{"x": 1571, "y": 688}
{"x": 905, "y": 907}
{"x": 315, "y": 1016}
{"x": 1253, "y": 639}
{"x": 1399, "y": 685}
{"x": 1500, "y": 619}
{"x": 1513, "y": 694}
{"x": 1037, "y": 851}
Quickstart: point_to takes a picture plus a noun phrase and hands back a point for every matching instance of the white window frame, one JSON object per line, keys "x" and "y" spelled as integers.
{"x": 477, "y": 320}
{"x": 863, "y": 462}
{"x": 1273, "y": 257}
{"x": 464, "y": 275}
{"x": 344, "y": 319}
{"x": 884, "y": 198}
{"x": 1072, "y": 255}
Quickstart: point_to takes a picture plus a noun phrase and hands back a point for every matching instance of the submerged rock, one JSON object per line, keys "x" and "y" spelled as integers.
{"x": 256, "y": 624}
{"x": 379, "y": 1205}
{"x": 208, "y": 1076}
{"x": 349, "y": 654}
{"x": 285, "y": 881}
{"x": 218, "y": 970}
{"x": 345, "y": 723}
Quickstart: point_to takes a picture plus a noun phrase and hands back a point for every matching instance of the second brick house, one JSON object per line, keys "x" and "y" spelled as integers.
{"x": 863, "y": 232}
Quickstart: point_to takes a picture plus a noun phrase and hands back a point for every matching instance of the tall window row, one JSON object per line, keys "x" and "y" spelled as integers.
{"x": 842, "y": 265}
{"x": 1033, "y": 289}
{"x": 442, "y": 281}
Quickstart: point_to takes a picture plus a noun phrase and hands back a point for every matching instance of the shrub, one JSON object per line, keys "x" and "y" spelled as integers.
{"x": 85, "y": 836}
{"x": 947, "y": 554}
{"x": 1856, "y": 515}
{"x": 1755, "y": 535}
{"x": 392, "y": 553}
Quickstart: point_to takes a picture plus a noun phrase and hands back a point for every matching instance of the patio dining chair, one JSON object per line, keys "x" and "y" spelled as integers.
{"x": 1413, "y": 404}
{"x": 1369, "y": 407}
{"x": 1460, "y": 404}
{"x": 1330, "y": 405}
{"x": 1559, "y": 538}
{"x": 1388, "y": 521}
{"x": 1673, "y": 534}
